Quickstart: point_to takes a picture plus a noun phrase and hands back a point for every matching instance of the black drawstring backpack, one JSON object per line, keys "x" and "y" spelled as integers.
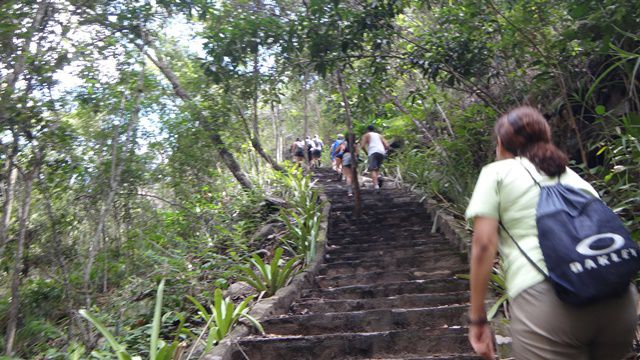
{"x": 587, "y": 249}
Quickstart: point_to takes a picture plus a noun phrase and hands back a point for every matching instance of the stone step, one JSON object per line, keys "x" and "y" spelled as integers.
{"x": 384, "y": 208}
{"x": 437, "y": 357}
{"x": 422, "y": 241}
{"x": 384, "y": 276}
{"x": 378, "y": 235}
{"x": 386, "y": 289}
{"x": 427, "y": 264}
{"x": 397, "y": 216}
{"x": 372, "y": 205}
{"x": 372, "y": 202}
{"x": 367, "y": 321}
{"x": 389, "y": 253}
{"x": 379, "y": 222}
{"x": 413, "y": 343}
{"x": 406, "y": 301}
{"x": 438, "y": 286}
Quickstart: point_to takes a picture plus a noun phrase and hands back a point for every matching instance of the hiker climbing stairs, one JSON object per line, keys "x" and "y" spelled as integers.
{"x": 386, "y": 289}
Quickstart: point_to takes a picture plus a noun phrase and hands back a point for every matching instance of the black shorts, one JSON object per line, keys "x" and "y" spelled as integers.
{"x": 375, "y": 160}
{"x": 299, "y": 153}
{"x": 316, "y": 153}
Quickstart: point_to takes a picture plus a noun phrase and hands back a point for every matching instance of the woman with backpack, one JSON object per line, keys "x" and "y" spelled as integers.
{"x": 347, "y": 159}
{"x": 503, "y": 209}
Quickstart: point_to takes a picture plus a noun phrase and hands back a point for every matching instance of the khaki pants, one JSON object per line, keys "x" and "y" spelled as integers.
{"x": 543, "y": 327}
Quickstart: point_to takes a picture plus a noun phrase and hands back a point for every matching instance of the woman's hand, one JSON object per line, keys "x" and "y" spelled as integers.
{"x": 481, "y": 339}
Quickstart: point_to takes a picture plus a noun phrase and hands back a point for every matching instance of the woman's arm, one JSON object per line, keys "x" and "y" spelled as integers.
{"x": 484, "y": 245}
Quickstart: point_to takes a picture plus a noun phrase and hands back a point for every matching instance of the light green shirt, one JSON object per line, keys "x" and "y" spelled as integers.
{"x": 506, "y": 192}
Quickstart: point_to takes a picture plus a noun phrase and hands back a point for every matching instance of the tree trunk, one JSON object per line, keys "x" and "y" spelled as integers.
{"x": 14, "y": 304}
{"x": 12, "y": 174}
{"x": 416, "y": 122}
{"x": 446, "y": 120}
{"x": 63, "y": 266}
{"x": 227, "y": 158}
{"x": 117, "y": 165}
{"x": 255, "y": 139}
{"x": 352, "y": 139}
{"x": 306, "y": 116}
{"x": 21, "y": 60}
{"x": 275, "y": 121}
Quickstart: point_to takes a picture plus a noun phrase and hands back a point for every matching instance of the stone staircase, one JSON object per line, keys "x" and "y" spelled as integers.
{"x": 386, "y": 290}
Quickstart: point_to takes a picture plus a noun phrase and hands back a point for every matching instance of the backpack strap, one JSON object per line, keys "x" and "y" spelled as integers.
{"x": 532, "y": 178}
{"x": 514, "y": 240}
{"x": 524, "y": 253}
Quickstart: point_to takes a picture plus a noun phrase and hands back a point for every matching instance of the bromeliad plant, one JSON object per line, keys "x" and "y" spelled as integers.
{"x": 302, "y": 219}
{"x": 268, "y": 278}
{"x": 298, "y": 187}
{"x": 221, "y": 318}
{"x": 303, "y": 225}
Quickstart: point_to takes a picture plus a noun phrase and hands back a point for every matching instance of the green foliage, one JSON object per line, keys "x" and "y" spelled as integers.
{"x": 303, "y": 218}
{"x": 269, "y": 277}
{"x": 222, "y": 317}
{"x": 619, "y": 175}
{"x": 158, "y": 349}
{"x": 448, "y": 169}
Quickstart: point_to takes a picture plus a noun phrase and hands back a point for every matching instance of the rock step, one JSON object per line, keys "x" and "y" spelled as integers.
{"x": 390, "y": 226}
{"x": 382, "y": 222}
{"x": 384, "y": 276}
{"x": 385, "y": 235}
{"x": 422, "y": 241}
{"x": 389, "y": 289}
{"x": 366, "y": 321}
{"x": 413, "y": 343}
{"x": 373, "y": 203}
{"x": 427, "y": 264}
{"x": 437, "y": 357}
{"x": 393, "y": 253}
{"x": 383, "y": 209}
{"x": 407, "y": 301}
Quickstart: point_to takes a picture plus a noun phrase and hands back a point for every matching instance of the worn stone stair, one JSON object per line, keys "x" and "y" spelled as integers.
{"x": 386, "y": 289}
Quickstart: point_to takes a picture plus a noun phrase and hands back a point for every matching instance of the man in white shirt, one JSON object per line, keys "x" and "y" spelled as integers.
{"x": 376, "y": 147}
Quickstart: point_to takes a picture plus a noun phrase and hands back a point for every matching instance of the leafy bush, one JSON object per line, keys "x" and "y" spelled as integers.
{"x": 158, "y": 349}
{"x": 449, "y": 167}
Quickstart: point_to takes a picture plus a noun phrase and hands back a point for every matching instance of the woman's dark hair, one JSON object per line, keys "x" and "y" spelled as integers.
{"x": 523, "y": 131}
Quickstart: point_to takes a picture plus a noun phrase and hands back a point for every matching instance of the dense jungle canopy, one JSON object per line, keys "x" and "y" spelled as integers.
{"x": 150, "y": 139}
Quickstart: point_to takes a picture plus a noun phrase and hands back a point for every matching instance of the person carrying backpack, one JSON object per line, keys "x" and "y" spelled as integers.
{"x": 347, "y": 159}
{"x": 548, "y": 321}
{"x": 309, "y": 148}
{"x": 298, "y": 151}
{"x": 333, "y": 154}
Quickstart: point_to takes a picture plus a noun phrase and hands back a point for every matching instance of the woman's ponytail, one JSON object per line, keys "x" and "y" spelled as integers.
{"x": 547, "y": 157}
